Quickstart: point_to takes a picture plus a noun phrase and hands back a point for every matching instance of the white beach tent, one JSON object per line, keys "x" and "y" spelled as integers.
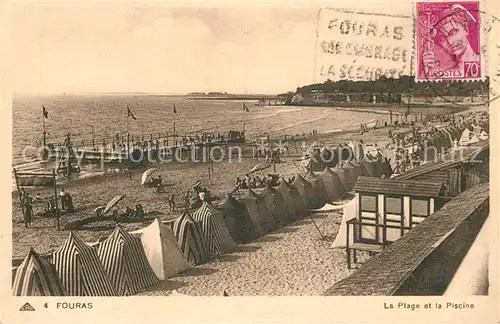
{"x": 483, "y": 135}
{"x": 350, "y": 212}
{"x": 465, "y": 138}
{"x": 327, "y": 208}
{"x": 161, "y": 249}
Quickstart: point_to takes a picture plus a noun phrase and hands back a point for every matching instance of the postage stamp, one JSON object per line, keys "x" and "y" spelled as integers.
{"x": 448, "y": 45}
{"x": 362, "y": 46}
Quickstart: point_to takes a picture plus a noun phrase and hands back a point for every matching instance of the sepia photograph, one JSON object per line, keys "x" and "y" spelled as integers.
{"x": 339, "y": 150}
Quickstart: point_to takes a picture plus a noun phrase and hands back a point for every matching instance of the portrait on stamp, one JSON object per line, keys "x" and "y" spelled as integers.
{"x": 448, "y": 41}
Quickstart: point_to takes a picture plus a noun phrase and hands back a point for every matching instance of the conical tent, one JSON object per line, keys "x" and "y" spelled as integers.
{"x": 215, "y": 233}
{"x": 190, "y": 239}
{"x": 305, "y": 190}
{"x": 80, "y": 269}
{"x": 237, "y": 220}
{"x": 317, "y": 163}
{"x": 36, "y": 277}
{"x": 333, "y": 187}
{"x": 259, "y": 213}
{"x": 358, "y": 168}
{"x": 465, "y": 137}
{"x": 350, "y": 211}
{"x": 293, "y": 201}
{"x": 318, "y": 189}
{"x": 368, "y": 166}
{"x": 276, "y": 204}
{"x": 125, "y": 262}
{"x": 343, "y": 177}
{"x": 162, "y": 251}
{"x": 350, "y": 174}
{"x": 328, "y": 157}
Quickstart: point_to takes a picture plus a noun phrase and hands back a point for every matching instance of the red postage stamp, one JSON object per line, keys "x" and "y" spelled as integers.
{"x": 448, "y": 41}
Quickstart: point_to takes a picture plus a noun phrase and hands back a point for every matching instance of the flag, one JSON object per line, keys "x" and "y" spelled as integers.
{"x": 130, "y": 113}
{"x": 175, "y": 110}
{"x": 45, "y": 112}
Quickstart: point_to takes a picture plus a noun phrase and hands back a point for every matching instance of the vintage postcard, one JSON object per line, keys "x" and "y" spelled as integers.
{"x": 184, "y": 162}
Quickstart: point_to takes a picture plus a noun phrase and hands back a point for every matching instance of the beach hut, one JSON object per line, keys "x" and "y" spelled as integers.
{"x": 259, "y": 213}
{"x": 318, "y": 190}
{"x": 276, "y": 204}
{"x": 190, "y": 238}
{"x": 291, "y": 197}
{"x": 126, "y": 263}
{"x": 162, "y": 251}
{"x": 217, "y": 238}
{"x": 389, "y": 208}
{"x": 36, "y": 276}
{"x": 80, "y": 269}
{"x": 333, "y": 186}
{"x": 305, "y": 190}
{"x": 237, "y": 220}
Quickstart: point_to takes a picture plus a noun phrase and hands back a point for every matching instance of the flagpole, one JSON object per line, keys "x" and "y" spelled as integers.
{"x": 128, "y": 136}
{"x": 44, "y": 133}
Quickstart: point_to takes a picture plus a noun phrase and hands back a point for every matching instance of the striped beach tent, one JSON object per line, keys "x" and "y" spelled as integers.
{"x": 342, "y": 177}
{"x": 36, "y": 276}
{"x": 259, "y": 213}
{"x": 305, "y": 190}
{"x": 237, "y": 220}
{"x": 215, "y": 233}
{"x": 125, "y": 262}
{"x": 80, "y": 269}
{"x": 292, "y": 199}
{"x": 333, "y": 187}
{"x": 318, "y": 189}
{"x": 190, "y": 238}
{"x": 162, "y": 251}
{"x": 276, "y": 204}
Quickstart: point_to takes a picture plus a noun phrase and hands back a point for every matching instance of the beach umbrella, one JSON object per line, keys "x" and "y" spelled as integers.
{"x": 146, "y": 175}
{"x": 259, "y": 167}
{"x": 113, "y": 203}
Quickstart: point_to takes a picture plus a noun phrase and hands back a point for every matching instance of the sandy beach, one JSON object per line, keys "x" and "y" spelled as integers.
{"x": 91, "y": 192}
{"x": 293, "y": 260}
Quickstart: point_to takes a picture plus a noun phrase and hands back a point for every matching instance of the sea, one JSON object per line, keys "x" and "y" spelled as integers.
{"x": 105, "y": 115}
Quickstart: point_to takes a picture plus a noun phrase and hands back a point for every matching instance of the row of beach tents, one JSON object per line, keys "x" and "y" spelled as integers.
{"x": 126, "y": 263}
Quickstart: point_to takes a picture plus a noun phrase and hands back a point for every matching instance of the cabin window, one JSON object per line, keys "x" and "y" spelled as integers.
{"x": 393, "y": 205}
{"x": 420, "y": 207}
{"x": 369, "y": 203}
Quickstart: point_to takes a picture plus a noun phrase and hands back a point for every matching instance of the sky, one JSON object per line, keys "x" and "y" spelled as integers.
{"x": 120, "y": 48}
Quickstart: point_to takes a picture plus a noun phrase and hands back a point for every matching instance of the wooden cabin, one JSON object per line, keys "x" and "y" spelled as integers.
{"x": 387, "y": 209}
{"x": 451, "y": 169}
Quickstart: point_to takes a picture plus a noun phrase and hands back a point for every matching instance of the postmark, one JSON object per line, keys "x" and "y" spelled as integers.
{"x": 448, "y": 41}
{"x": 361, "y": 46}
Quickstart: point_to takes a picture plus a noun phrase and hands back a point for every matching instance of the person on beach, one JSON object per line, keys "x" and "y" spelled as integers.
{"x": 187, "y": 200}
{"x": 171, "y": 203}
{"x": 69, "y": 204}
{"x": 28, "y": 210}
{"x": 62, "y": 197}
{"x": 139, "y": 212}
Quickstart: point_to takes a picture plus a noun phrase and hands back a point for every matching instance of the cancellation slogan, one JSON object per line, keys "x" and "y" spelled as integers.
{"x": 429, "y": 305}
